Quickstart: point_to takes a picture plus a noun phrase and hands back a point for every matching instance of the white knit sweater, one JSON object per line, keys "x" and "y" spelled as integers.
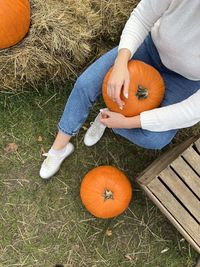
{"x": 175, "y": 29}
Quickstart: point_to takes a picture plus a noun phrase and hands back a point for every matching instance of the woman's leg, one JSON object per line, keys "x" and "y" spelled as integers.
{"x": 61, "y": 141}
{"x": 86, "y": 90}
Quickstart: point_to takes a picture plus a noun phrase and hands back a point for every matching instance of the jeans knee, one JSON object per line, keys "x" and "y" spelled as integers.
{"x": 157, "y": 140}
{"x": 80, "y": 83}
{"x": 86, "y": 88}
{"x": 147, "y": 139}
{"x": 157, "y": 143}
{"x": 161, "y": 139}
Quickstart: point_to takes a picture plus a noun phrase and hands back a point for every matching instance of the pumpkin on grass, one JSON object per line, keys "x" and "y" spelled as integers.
{"x": 14, "y": 21}
{"x": 146, "y": 90}
{"x": 105, "y": 191}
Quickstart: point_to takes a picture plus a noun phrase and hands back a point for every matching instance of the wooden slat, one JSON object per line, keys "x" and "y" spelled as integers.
{"x": 163, "y": 161}
{"x": 176, "y": 209}
{"x": 171, "y": 218}
{"x": 187, "y": 174}
{"x": 182, "y": 192}
{"x": 193, "y": 158}
{"x": 197, "y": 144}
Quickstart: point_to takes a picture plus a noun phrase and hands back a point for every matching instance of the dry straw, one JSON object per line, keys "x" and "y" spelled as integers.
{"x": 65, "y": 35}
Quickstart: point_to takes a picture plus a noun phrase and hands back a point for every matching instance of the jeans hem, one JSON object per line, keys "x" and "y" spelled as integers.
{"x": 66, "y": 132}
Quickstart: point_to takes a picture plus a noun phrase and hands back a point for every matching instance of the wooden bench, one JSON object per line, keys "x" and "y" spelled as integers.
{"x": 172, "y": 182}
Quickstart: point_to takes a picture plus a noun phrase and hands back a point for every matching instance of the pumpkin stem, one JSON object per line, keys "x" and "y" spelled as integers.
{"x": 142, "y": 92}
{"x": 108, "y": 194}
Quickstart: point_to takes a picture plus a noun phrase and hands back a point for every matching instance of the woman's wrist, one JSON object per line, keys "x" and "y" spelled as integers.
{"x": 123, "y": 57}
{"x": 133, "y": 122}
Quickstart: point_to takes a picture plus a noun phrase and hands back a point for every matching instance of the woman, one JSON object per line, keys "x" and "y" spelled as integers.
{"x": 164, "y": 34}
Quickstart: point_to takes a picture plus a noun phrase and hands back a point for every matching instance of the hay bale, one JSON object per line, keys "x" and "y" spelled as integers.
{"x": 60, "y": 41}
{"x": 64, "y": 37}
{"x": 114, "y": 14}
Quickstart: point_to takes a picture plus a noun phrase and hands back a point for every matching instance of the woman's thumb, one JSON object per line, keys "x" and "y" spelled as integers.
{"x": 105, "y": 112}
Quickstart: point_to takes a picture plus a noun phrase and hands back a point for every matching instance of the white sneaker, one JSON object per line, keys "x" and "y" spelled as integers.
{"x": 52, "y": 163}
{"x": 95, "y": 132}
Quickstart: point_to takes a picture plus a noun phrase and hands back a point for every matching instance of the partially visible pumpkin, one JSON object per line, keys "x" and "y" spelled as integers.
{"x": 105, "y": 191}
{"x": 14, "y": 21}
{"x": 146, "y": 90}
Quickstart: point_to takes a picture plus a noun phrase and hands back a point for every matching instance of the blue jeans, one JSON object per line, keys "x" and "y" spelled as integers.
{"x": 88, "y": 87}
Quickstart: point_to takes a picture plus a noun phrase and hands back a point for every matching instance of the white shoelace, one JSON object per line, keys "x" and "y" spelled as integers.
{"x": 49, "y": 161}
{"x": 95, "y": 127}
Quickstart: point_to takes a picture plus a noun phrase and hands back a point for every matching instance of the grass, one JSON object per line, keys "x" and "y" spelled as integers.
{"x": 43, "y": 223}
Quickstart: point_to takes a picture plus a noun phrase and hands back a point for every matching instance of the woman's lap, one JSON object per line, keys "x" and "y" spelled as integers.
{"x": 87, "y": 89}
{"x": 177, "y": 88}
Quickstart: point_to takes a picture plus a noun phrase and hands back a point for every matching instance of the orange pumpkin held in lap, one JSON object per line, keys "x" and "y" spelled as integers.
{"x": 146, "y": 90}
{"x": 105, "y": 191}
{"x": 14, "y": 21}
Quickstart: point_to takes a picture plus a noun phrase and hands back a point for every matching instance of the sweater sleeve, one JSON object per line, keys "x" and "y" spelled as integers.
{"x": 140, "y": 23}
{"x": 181, "y": 115}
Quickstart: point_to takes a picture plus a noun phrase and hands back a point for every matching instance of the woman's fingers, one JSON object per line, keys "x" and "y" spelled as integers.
{"x": 117, "y": 98}
{"x": 109, "y": 90}
{"x": 119, "y": 77}
{"x": 114, "y": 93}
{"x": 126, "y": 88}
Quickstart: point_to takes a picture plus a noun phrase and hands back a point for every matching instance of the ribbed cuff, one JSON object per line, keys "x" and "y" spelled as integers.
{"x": 131, "y": 46}
{"x": 149, "y": 121}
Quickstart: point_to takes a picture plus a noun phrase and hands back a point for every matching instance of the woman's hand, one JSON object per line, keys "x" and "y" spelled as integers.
{"x": 112, "y": 119}
{"x": 119, "y": 77}
{"x": 116, "y": 120}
